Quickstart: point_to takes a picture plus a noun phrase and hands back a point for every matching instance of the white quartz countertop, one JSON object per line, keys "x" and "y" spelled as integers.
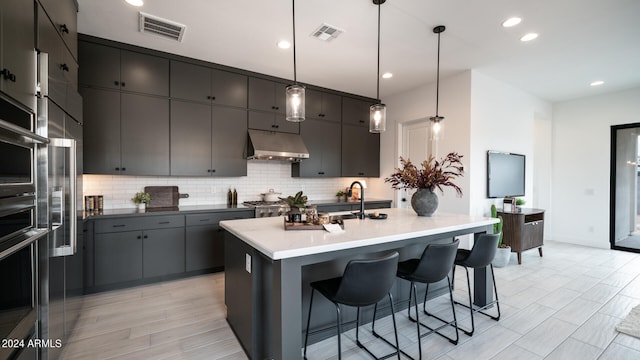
{"x": 268, "y": 236}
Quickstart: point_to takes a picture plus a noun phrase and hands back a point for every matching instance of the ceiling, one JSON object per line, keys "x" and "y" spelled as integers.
{"x": 579, "y": 41}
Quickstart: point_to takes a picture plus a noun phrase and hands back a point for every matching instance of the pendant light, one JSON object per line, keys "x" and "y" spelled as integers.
{"x": 378, "y": 111}
{"x": 437, "y": 127}
{"x": 295, "y": 92}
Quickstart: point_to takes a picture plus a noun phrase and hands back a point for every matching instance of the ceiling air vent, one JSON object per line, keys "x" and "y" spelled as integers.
{"x": 157, "y": 25}
{"x": 327, "y": 32}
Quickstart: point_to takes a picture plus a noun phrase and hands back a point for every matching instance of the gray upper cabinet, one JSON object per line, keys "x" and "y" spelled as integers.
{"x": 144, "y": 134}
{"x": 266, "y": 95}
{"x": 62, "y": 66}
{"x": 323, "y": 106}
{"x": 360, "y": 152}
{"x": 355, "y": 111}
{"x": 199, "y": 83}
{"x": 101, "y": 131}
{"x": 208, "y": 140}
{"x": 125, "y": 134}
{"x": 63, "y": 15}
{"x": 112, "y": 68}
{"x": 322, "y": 139}
{"x": 17, "y": 51}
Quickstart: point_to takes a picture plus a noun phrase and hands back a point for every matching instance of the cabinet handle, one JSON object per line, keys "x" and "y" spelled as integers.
{"x": 138, "y": 237}
{"x": 64, "y": 29}
{"x": 164, "y": 222}
{"x": 122, "y": 83}
{"x": 119, "y": 225}
{"x": 360, "y": 173}
{"x": 124, "y": 169}
{"x": 213, "y": 170}
{"x": 213, "y": 97}
{"x": 205, "y": 220}
{"x": 64, "y": 67}
{"x": 362, "y": 121}
{"x": 116, "y": 83}
{"x": 146, "y": 237}
{"x": 8, "y": 75}
{"x": 320, "y": 172}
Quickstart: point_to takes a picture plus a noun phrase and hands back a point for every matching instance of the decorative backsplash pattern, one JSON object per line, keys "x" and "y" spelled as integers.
{"x": 261, "y": 176}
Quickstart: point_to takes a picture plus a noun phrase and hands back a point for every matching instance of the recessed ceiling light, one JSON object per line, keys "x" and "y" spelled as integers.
{"x": 511, "y": 22}
{"x": 597, "y": 83}
{"x": 387, "y": 75}
{"x": 135, "y": 2}
{"x": 284, "y": 44}
{"x": 529, "y": 37}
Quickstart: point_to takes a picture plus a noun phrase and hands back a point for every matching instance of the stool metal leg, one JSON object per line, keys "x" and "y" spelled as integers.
{"x": 480, "y": 310}
{"x": 306, "y": 336}
{"x": 339, "y": 331}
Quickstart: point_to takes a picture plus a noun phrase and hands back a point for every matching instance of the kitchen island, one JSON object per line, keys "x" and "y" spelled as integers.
{"x": 268, "y": 269}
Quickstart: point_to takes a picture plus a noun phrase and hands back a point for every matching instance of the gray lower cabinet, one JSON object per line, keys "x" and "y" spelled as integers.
{"x": 360, "y": 152}
{"x": 198, "y": 130}
{"x": 350, "y": 206}
{"x": 162, "y": 252}
{"x": 118, "y": 257}
{"x": 137, "y": 248}
{"x": 205, "y": 239}
{"x": 322, "y": 139}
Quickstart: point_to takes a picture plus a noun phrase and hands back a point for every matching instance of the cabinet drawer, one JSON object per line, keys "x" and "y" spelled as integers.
{"x": 214, "y": 218}
{"x": 532, "y": 234}
{"x": 138, "y": 223}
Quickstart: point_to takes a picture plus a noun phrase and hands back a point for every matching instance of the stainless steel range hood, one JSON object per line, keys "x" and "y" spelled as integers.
{"x": 269, "y": 145}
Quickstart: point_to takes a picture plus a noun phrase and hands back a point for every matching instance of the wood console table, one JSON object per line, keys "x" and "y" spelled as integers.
{"x": 523, "y": 230}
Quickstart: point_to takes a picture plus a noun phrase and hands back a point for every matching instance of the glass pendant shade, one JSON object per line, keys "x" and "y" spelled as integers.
{"x": 377, "y": 118}
{"x": 295, "y": 103}
{"x": 437, "y": 127}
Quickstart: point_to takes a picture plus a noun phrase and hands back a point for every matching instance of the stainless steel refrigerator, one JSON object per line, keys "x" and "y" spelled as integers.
{"x": 62, "y": 266}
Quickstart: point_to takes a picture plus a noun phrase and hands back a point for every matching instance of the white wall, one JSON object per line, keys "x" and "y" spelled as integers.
{"x": 480, "y": 114}
{"x": 261, "y": 176}
{"x": 420, "y": 104}
{"x": 504, "y": 118}
{"x": 581, "y": 144}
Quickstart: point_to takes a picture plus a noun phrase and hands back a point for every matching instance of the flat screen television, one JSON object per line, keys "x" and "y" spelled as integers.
{"x": 505, "y": 174}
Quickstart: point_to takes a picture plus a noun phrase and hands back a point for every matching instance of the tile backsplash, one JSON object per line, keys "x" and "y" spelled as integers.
{"x": 261, "y": 176}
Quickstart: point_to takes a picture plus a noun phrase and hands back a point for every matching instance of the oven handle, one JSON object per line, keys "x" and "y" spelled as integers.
{"x": 71, "y": 247}
{"x": 27, "y": 136}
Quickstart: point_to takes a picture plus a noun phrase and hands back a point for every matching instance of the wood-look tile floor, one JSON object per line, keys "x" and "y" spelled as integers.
{"x": 562, "y": 306}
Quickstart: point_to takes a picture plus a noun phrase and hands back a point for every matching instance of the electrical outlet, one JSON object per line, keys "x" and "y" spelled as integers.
{"x": 247, "y": 265}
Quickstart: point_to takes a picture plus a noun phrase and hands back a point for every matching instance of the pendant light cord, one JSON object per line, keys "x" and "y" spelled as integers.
{"x": 293, "y": 8}
{"x": 438, "y": 77}
{"x": 378, "y": 77}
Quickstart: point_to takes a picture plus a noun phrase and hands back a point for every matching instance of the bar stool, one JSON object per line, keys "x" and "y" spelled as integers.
{"x": 433, "y": 266}
{"x": 480, "y": 256}
{"x": 364, "y": 282}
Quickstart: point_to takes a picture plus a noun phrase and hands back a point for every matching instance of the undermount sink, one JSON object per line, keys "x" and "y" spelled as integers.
{"x": 342, "y": 215}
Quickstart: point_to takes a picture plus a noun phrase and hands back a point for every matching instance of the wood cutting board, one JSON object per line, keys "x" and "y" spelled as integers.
{"x": 164, "y": 196}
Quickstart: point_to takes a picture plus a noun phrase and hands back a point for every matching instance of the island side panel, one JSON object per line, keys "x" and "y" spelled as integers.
{"x": 241, "y": 295}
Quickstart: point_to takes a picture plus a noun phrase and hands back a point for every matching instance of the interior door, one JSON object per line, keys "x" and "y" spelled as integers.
{"x": 415, "y": 147}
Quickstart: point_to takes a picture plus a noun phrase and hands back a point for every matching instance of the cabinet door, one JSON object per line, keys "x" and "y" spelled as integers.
{"x": 323, "y": 142}
{"x": 191, "y": 139}
{"x": 163, "y": 252}
{"x": 228, "y": 88}
{"x": 331, "y": 107}
{"x": 17, "y": 52}
{"x": 261, "y": 95}
{"x": 355, "y": 111}
{"x": 204, "y": 249}
{"x": 262, "y": 121}
{"x": 282, "y": 125}
{"x": 101, "y": 131}
{"x": 144, "y": 73}
{"x": 190, "y": 82}
{"x": 144, "y": 135}
{"x": 118, "y": 257}
{"x": 228, "y": 141}
{"x": 63, "y": 14}
{"x": 100, "y": 65}
{"x": 360, "y": 152}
